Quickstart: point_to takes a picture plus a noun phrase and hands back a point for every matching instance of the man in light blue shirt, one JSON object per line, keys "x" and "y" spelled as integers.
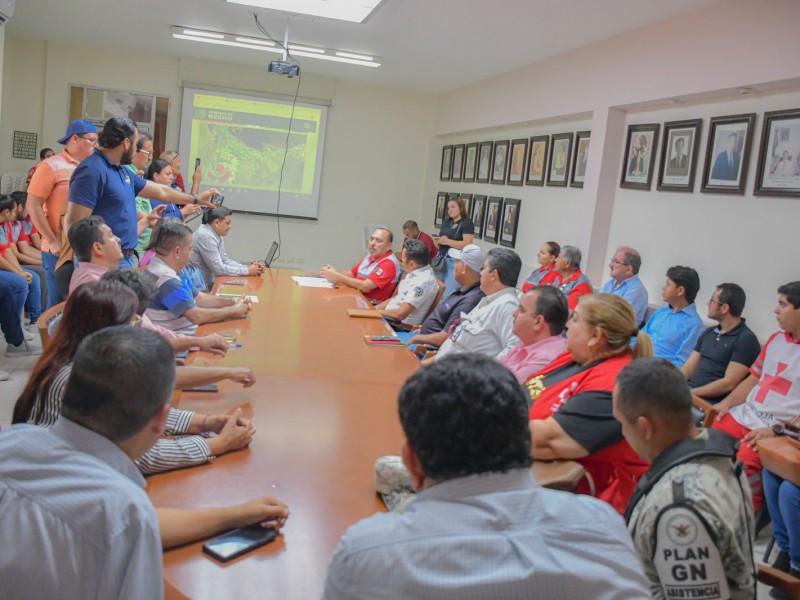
{"x": 72, "y": 502}
{"x": 625, "y": 282}
{"x": 480, "y": 527}
{"x": 674, "y": 328}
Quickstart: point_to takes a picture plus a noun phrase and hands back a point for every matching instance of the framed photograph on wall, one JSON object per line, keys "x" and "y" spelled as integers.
{"x": 779, "y": 155}
{"x": 484, "y": 170}
{"x": 447, "y": 162}
{"x": 508, "y": 228}
{"x": 582, "y": 139}
{"x": 478, "y": 215}
{"x": 441, "y": 203}
{"x": 499, "y": 162}
{"x": 516, "y": 166}
{"x": 537, "y": 160}
{"x": 467, "y": 202}
{"x": 640, "y": 156}
{"x": 494, "y": 210}
{"x": 558, "y": 168}
{"x": 457, "y": 170}
{"x": 470, "y": 161}
{"x": 728, "y": 154}
{"x": 679, "y": 155}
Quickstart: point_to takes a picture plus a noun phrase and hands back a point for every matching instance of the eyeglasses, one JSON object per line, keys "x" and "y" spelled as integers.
{"x": 147, "y": 153}
{"x": 88, "y": 139}
{"x": 616, "y": 262}
{"x": 712, "y": 301}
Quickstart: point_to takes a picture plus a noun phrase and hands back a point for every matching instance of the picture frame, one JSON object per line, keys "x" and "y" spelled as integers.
{"x": 537, "y": 160}
{"x": 509, "y": 222}
{"x": 560, "y": 152}
{"x": 457, "y": 168}
{"x": 517, "y": 161}
{"x": 580, "y": 158}
{"x": 679, "y": 150}
{"x": 484, "y": 169}
{"x": 447, "y": 161}
{"x": 727, "y": 173}
{"x": 441, "y": 203}
{"x": 467, "y": 202}
{"x": 499, "y": 162}
{"x": 779, "y": 155}
{"x": 478, "y": 215}
{"x": 640, "y": 156}
{"x": 470, "y": 161}
{"x": 494, "y": 210}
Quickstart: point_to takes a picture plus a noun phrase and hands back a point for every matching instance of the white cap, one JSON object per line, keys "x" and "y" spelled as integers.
{"x": 471, "y": 255}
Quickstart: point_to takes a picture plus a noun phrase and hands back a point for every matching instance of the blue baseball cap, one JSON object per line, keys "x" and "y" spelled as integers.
{"x": 78, "y": 126}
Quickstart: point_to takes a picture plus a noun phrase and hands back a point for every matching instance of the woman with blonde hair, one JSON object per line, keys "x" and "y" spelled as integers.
{"x": 571, "y": 415}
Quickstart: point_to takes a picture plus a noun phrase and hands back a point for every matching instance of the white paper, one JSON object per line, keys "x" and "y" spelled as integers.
{"x": 253, "y": 299}
{"x": 317, "y": 282}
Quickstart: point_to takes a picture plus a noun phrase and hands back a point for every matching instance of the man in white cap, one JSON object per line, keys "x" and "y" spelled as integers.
{"x": 416, "y": 291}
{"x": 468, "y": 265}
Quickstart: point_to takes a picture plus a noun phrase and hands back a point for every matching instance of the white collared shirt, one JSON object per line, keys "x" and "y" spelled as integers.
{"x": 419, "y": 289}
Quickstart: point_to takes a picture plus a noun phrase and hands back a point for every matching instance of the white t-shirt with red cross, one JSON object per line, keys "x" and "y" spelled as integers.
{"x": 776, "y": 397}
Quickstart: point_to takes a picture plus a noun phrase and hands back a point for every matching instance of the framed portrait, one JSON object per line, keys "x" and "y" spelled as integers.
{"x": 441, "y": 203}
{"x": 582, "y": 139}
{"x": 457, "y": 170}
{"x": 478, "y": 215}
{"x": 640, "y": 156}
{"x": 467, "y": 202}
{"x": 679, "y": 155}
{"x": 494, "y": 210}
{"x": 447, "y": 162}
{"x": 516, "y": 164}
{"x": 470, "y": 161}
{"x": 484, "y": 169}
{"x": 508, "y": 227}
{"x": 728, "y": 154}
{"x": 499, "y": 162}
{"x": 537, "y": 160}
{"x": 558, "y": 167}
{"x": 779, "y": 156}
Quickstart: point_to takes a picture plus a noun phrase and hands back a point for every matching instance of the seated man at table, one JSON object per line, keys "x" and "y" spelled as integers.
{"x": 694, "y": 485}
{"x": 411, "y": 232}
{"x": 771, "y": 393}
{"x": 539, "y": 322}
{"x": 489, "y": 327}
{"x": 467, "y": 273}
{"x": 417, "y": 289}
{"x": 625, "y": 283}
{"x": 208, "y": 248}
{"x": 674, "y": 328}
{"x": 480, "y": 526}
{"x": 177, "y": 305}
{"x": 71, "y": 495}
{"x": 376, "y": 276}
{"x": 723, "y": 354}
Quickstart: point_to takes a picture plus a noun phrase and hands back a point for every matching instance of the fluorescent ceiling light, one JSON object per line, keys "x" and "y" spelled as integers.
{"x": 351, "y": 55}
{"x": 208, "y": 34}
{"x": 247, "y": 40}
{"x": 292, "y": 47}
{"x": 351, "y": 61}
{"x": 354, "y": 11}
{"x": 226, "y": 43}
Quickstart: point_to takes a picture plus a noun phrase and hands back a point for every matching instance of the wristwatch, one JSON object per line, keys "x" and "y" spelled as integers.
{"x": 195, "y": 199}
{"x": 778, "y": 429}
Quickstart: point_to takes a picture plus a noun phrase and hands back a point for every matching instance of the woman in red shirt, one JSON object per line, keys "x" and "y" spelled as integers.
{"x": 571, "y": 415}
{"x": 547, "y": 255}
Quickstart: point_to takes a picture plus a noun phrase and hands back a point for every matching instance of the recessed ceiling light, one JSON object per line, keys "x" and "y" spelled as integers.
{"x": 354, "y": 11}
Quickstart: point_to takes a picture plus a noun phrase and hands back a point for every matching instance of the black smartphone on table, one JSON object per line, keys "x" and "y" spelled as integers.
{"x": 240, "y": 541}
{"x": 211, "y": 387}
{"x": 196, "y": 163}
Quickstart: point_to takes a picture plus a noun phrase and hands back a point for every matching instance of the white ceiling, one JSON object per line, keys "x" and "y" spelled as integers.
{"x": 425, "y": 45}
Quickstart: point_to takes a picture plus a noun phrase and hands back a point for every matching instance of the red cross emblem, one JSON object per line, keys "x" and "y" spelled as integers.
{"x": 776, "y": 383}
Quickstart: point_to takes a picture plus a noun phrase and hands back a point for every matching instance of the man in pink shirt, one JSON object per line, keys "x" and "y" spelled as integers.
{"x": 538, "y": 322}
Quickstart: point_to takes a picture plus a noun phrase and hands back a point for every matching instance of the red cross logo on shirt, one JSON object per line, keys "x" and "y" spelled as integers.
{"x": 775, "y": 383}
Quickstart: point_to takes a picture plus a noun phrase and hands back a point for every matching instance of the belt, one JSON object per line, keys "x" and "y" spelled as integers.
{"x": 128, "y": 253}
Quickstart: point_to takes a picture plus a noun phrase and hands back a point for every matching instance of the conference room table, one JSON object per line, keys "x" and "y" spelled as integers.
{"x": 324, "y": 405}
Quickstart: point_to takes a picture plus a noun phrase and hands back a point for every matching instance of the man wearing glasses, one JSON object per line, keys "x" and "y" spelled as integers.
{"x": 723, "y": 354}
{"x": 48, "y": 193}
{"x": 625, "y": 282}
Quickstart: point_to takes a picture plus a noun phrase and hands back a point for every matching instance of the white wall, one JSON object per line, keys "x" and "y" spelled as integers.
{"x": 376, "y": 145}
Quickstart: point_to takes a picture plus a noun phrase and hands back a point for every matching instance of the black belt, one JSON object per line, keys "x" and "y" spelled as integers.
{"x": 128, "y": 253}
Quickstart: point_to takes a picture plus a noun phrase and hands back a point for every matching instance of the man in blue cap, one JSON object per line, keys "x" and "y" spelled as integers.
{"x": 48, "y": 193}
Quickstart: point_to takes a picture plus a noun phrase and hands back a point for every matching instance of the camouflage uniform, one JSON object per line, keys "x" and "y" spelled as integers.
{"x": 701, "y": 474}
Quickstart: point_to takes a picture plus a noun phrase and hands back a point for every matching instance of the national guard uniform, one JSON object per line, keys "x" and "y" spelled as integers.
{"x": 691, "y": 519}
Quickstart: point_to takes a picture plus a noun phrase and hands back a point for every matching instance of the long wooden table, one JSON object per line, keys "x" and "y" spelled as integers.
{"x": 325, "y": 407}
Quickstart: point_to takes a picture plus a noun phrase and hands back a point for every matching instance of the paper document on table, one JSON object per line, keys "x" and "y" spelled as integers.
{"x": 253, "y": 299}
{"x": 318, "y": 282}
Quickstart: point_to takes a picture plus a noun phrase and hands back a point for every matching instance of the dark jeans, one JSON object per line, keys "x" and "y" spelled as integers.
{"x": 13, "y": 291}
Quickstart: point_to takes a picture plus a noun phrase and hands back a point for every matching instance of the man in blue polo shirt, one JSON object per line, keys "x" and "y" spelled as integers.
{"x": 625, "y": 282}
{"x": 103, "y": 185}
{"x": 674, "y": 328}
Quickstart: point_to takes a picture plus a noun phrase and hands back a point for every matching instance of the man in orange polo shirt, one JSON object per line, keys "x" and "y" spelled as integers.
{"x": 376, "y": 276}
{"x": 48, "y": 193}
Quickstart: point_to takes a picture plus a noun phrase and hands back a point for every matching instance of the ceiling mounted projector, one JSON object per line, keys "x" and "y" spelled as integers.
{"x": 284, "y": 68}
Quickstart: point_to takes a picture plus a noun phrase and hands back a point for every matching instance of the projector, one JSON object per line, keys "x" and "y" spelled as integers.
{"x": 284, "y": 68}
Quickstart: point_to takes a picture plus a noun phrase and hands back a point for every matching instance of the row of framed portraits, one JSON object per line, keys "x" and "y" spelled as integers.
{"x": 531, "y": 161}
{"x": 495, "y": 219}
{"x": 727, "y": 155}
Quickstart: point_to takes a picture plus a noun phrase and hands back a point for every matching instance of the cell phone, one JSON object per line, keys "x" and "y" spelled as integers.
{"x": 196, "y": 163}
{"x": 217, "y": 199}
{"x": 240, "y": 541}
{"x": 203, "y": 388}
{"x": 384, "y": 338}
